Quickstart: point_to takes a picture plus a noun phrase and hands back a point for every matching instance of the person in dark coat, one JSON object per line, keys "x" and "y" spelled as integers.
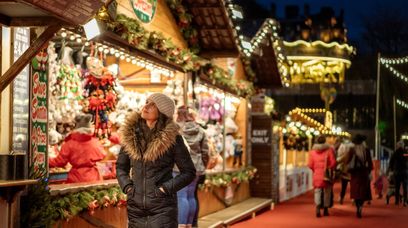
{"x": 196, "y": 139}
{"x": 151, "y": 146}
{"x": 82, "y": 150}
{"x": 360, "y": 181}
{"x": 321, "y": 157}
{"x": 398, "y": 166}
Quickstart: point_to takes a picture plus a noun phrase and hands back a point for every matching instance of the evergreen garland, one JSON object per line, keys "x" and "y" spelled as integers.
{"x": 190, "y": 33}
{"x": 40, "y": 209}
{"x": 225, "y": 179}
{"x": 184, "y": 21}
{"x": 131, "y": 30}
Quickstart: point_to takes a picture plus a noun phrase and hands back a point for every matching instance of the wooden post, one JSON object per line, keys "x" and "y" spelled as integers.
{"x": 21, "y": 62}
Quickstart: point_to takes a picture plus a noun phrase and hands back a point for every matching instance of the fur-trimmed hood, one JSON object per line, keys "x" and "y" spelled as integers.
{"x": 320, "y": 147}
{"x": 156, "y": 148}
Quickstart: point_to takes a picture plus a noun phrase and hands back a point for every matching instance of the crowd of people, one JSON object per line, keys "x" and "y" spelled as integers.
{"x": 351, "y": 162}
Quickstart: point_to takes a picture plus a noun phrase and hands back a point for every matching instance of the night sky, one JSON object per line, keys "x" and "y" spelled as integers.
{"x": 354, "y": 10}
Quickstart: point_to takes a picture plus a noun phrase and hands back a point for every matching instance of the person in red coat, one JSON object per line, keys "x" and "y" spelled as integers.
{"x": 320, "y": 157}
{"x": 82, "y": 151}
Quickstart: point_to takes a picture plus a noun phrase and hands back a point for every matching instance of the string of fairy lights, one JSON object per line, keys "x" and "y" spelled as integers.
{"x": 388, "y": 62}
{"x": 402, "y": 103}
{"x": 120, "y": 54}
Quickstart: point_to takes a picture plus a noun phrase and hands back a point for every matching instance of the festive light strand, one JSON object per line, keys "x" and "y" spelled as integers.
{"x": 396, "y": 72}
{"x": 402, "y": 103}
{"x": 394, "y": 61}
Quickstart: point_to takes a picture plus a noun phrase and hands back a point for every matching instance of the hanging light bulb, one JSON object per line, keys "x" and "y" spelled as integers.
{"x": 86, "y": 43}
{"x": 117, "y": 54}
{"x": 63, "y": 34}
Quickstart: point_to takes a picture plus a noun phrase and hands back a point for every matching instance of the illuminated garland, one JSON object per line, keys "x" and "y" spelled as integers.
{"x": 218, "y": 76}
{"x": 393, "y": 70}
{"x": 394, "y": 61}
{"x": 226, "y": 179}
{"x": 131, "y": 30}
{"x": 402, "y": 103}
{"x": 184, "y": 21}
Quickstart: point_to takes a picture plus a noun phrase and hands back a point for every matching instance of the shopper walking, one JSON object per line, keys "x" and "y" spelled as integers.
{"x": 360, "y": 166}
{"x": 342, "y": 158}
{"x": 398, "y": 166}
{"x": 151, "y": 146}
{"x": 197, "y": 141}
{"x": 321, "y": 157}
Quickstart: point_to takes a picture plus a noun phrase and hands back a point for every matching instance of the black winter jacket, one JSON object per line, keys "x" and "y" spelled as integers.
{"x": 150, "y": 170}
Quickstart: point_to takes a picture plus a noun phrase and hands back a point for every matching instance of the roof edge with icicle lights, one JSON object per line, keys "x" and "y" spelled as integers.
{"x": 268, "y": 33}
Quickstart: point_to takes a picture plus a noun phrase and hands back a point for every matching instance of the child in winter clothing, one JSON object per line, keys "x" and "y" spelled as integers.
{"x": 82, "y": 150}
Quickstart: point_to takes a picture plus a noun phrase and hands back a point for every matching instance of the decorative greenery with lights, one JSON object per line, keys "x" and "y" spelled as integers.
{"x": 62, "y": 207}
{"x": 184, "y": 21}
{"x": 190, "y": 33}
{"x": 226, "y": 179}
{"x": 131, "y": 30}
{"x": 218, "y": 76}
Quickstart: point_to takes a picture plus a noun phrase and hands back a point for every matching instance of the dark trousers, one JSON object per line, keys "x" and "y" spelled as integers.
{"x": 400, "y": 180}
{"x": 344, "y": 183}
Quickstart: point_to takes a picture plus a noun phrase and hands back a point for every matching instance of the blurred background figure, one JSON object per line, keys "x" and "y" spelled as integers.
{"x": 196, "y": 139}
{"x": 82, "y": 150}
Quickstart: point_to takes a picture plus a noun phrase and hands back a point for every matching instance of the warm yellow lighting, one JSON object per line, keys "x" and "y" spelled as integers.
{"x": 319, "y": 42}
{"x": 322, "y": 58}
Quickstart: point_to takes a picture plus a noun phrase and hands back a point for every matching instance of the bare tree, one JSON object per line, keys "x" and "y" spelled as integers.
{"x": 386, "y": 31}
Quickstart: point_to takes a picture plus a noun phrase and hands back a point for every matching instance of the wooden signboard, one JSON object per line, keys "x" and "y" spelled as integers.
{"x": 39, "y": 110}
{"x": 20, "y": 95}
{"x": 73, "y": 11}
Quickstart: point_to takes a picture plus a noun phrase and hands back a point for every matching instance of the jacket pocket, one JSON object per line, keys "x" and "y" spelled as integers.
{"x": 159, "y": 193}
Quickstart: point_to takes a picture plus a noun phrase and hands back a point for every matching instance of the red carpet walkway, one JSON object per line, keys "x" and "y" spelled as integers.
{"x": 300, "y": 212}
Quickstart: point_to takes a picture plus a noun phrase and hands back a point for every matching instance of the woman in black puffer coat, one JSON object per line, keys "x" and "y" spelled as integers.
{"x": 151, "y": 145}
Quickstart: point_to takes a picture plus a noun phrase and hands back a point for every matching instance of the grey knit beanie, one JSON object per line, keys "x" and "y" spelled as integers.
{"x": 164, "y": 103}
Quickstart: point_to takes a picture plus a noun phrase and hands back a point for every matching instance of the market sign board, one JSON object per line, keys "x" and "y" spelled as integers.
{"x": 144, "y": 9}
{"x": 39, "y": 110}
{"x": 20, "y": 95}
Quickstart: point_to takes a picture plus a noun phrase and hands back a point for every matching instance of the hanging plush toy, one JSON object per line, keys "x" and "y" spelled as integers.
{"x": 238, "y": 149}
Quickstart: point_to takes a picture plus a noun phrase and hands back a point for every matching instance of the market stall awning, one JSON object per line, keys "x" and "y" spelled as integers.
{"x": 46, "y": 12}
{"x": 215, "y": 30}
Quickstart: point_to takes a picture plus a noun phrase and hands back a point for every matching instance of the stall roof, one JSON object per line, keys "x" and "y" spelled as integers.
{"x": 46, "y": 12}
{"x": 266, "y": 55}
{"x": 266, "y": 67}
{"x": 215, "y": 29}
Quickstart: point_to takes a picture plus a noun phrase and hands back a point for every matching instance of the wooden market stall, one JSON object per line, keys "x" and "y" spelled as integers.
{"x": 20, "y": 45}
{"x": 143, "y": 51}
{"x": 297, "y": 138}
